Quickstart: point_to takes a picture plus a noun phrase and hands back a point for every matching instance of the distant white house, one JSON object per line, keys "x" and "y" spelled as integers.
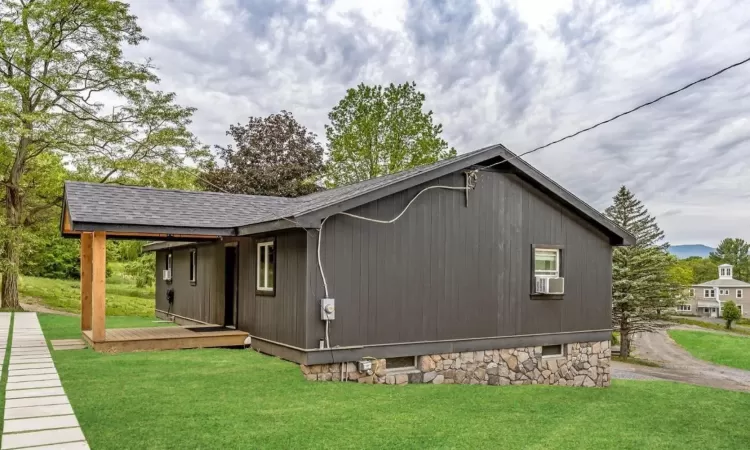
{"x": 706, "y": 299}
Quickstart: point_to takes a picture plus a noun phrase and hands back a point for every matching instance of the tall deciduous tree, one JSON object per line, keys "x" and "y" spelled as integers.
{"x": 59, "y": 61}
{"x": 736, "y": 252}
{"x": 273, "y": 155}
{"x": 641, "y": 284}
{"x": 376, "y": 131}
{"x": 703, "y": 269}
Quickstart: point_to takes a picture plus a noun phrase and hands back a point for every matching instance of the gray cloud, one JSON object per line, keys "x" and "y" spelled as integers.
{"x": 506, "y": 71}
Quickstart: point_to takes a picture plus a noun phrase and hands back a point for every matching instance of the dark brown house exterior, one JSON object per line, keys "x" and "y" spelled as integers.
{"x": 444, "y": 294}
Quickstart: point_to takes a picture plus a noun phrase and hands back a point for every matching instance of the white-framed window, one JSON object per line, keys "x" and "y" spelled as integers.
{"x": 740, "y": 308}
{"x": 193, "y": 265}
{"x": 684, "y": 308}
{"x": 692, "y": 292}
{"x": 722, "y": 271}
{"x": 739, "y": 293}
{"x": 266, "y": 268}
{"x": 709, "y": 293}
{"x": 547, "y": 262}
{"x": 723, "y": 291}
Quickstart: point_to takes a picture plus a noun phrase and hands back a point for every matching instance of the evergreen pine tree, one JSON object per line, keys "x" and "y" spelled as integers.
{"x": 641, "y": 285}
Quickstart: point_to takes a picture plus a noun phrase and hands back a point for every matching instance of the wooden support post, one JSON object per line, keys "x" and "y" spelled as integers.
{"x": 86, "y": 277}
{"x": 98, "y": 288}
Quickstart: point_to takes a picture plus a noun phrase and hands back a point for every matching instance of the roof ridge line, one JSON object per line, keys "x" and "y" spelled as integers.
{"x": 151, "y": 188}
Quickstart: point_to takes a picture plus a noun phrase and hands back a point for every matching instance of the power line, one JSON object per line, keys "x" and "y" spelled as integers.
{"x": 598, "y": 124}
{"x": 97, "y": 119}
{"x": 613, "y": 118}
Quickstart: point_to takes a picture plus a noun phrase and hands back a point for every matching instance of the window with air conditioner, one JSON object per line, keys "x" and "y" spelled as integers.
{"x": 265, "y": 268}
{"x": 547, "y": 274}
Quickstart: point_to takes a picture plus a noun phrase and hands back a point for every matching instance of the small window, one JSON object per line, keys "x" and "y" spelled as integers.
{"x": 193, "y": 265}
{"x": 551, "y": 351}
{"x": 266, "y": 271}
{"x": 401, "y": 363}
{"x": 692, "y": 292}
{"x": 709, "y": 293}
{"x": 684, "y": 308}
{"x": 739, "y": 293}
{"x": 546, "y": 262}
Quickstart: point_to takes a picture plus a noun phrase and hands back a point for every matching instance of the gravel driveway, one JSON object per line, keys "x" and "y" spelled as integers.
{"x": 679, "y": 365}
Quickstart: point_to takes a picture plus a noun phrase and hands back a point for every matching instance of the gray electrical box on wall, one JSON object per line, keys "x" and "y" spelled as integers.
{"x": 327, "y": 309}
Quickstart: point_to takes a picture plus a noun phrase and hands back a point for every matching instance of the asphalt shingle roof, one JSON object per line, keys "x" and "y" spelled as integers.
{"x": 93, "y": 203}
{"x": 724, "y": 282}
{"x": 132, "y": 205}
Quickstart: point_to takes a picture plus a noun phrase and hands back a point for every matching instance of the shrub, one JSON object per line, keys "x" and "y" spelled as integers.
{"x": 730, "y": 313}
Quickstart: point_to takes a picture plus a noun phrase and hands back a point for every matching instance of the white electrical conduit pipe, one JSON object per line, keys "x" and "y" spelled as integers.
{"x": 368, "y": 219}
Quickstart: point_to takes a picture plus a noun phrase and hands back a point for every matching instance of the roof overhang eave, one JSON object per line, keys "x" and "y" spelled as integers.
{"x": 162, "y": 232}
{"x": 278, "y": 224}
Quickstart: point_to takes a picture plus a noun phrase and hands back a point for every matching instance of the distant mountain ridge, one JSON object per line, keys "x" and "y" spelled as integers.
{"x": 686, "y": 251}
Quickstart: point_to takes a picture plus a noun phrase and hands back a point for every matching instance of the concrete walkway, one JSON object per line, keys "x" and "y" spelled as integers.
{"x": 37, "y": 411}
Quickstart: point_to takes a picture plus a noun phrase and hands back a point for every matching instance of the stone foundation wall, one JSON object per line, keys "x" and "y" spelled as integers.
{"x": 582, "y": 364}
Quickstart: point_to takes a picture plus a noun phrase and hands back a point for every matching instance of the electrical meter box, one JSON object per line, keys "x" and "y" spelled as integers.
{"x": 364, "y": 365}
{"x": 327, "y": 309}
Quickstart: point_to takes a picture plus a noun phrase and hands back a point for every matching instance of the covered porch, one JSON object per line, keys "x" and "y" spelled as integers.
{"x": 93, "y": 313}
{"x": 94, "y": 213}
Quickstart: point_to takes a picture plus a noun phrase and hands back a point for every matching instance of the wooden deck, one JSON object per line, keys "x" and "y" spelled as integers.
{"x": 165, "y": 338}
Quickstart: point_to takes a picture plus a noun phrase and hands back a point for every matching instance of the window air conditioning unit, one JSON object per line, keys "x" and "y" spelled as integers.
{"x": 546, "y": 285}
{"x": 167, "y": 275}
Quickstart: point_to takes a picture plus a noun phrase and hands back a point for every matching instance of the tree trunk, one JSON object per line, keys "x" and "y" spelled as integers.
{"x": 12, "y": 257}
{"x": 13, "y": 206}
{"x": 625, "y": 343}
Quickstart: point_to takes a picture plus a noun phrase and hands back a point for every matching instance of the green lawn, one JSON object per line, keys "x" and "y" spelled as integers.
{"x": 728, "y": 350}
{"x": 710, "y": 325}
{"x": 124, "y": 298}
{"x": 241, "y": 399}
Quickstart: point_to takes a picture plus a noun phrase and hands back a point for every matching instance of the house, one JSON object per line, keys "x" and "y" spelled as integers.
{"x": 475, "y": 269}
{"x": 706, "y": 299}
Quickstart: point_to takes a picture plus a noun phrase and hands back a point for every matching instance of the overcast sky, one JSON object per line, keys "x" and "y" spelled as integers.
{"x": 519, "y": 73}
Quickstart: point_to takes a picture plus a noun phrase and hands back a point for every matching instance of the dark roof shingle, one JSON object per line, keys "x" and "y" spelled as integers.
{"x": 133, "y": 205}
{"x": 93, "y": 203}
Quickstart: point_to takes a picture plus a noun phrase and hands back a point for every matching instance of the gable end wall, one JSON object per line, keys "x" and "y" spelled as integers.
{"x": 447, "y": 271}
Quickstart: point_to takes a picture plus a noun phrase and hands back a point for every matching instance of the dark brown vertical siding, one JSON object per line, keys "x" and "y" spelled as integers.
{"x": 448, "y": 271}
{"x": 199, "y": 301}
{"x": 280, "y": 317}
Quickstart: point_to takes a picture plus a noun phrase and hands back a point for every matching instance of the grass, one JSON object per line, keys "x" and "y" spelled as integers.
{"x": 4, "y": 370}
{"x": 708, "y": 325}
{"x": 218, "y": 398}
{"x": 64, "y": 327}
{"x": 733, "y": 351}
{"x": 633, "y": 360}
{"x": 124, "y": 298}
